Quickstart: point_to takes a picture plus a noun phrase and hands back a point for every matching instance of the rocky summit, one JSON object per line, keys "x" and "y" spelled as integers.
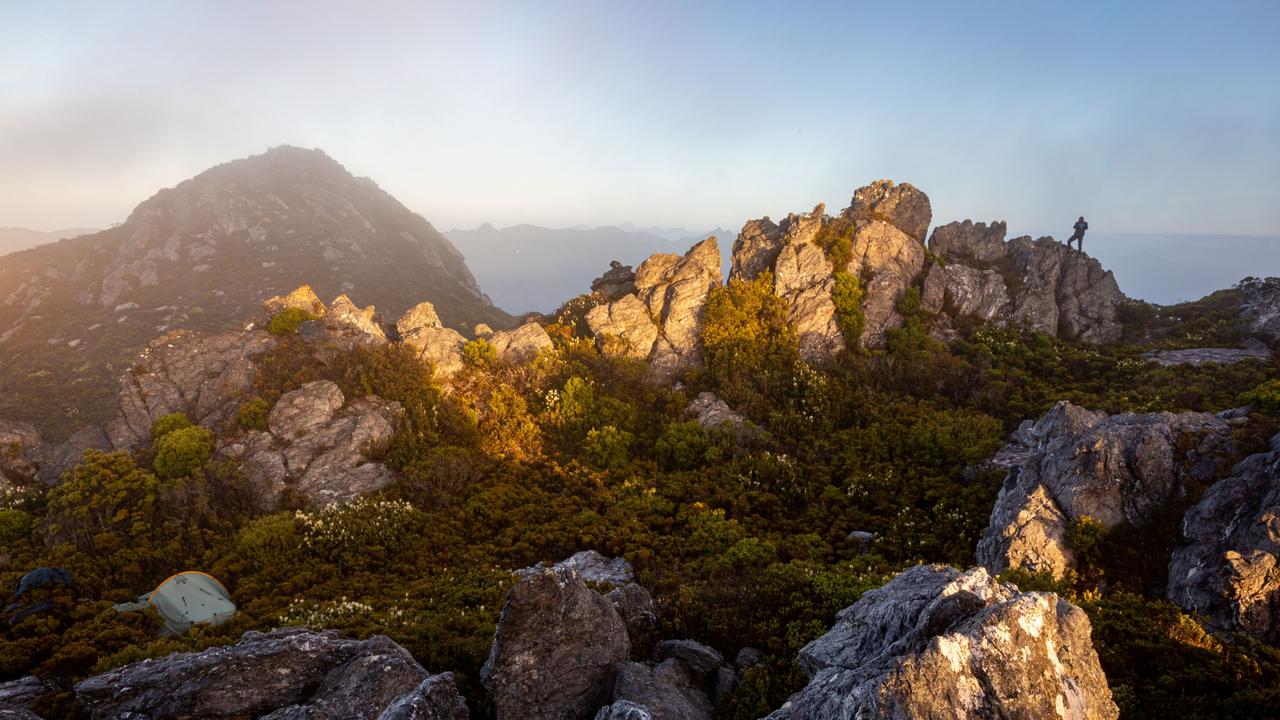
{"x": 203, "y": 255}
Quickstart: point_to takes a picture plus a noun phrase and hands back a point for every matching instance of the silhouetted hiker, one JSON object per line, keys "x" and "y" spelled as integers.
{"x": 1078, "y": 235}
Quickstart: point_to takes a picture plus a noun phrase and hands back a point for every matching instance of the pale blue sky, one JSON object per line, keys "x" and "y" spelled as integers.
{"x": 1146, "y": 117}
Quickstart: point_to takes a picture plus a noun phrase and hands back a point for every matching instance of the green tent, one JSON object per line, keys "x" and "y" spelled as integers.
{"x": 190, "y": 598}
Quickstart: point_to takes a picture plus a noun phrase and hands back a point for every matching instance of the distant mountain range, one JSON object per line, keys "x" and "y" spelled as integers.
{"x": 13, "y": 239}
{"x": 532, "y": 268}
{"x": 204, "y": 255}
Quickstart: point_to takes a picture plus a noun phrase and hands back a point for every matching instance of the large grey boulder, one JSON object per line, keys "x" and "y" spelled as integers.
{"x": 202, "y": 375}
{"x": 16, "y": 712}
{"x": 938, "y": 643}
{"x": 554, "y": 650}
{"x": 321, "y": 442}
{"x": 20, "y": 450}
{"x": 1229, "y": 570}
{"x": 591, "y": 566}
{"x": 666, "y": 691}
{"x": 281, "y": 674}
{"x": 623, "y": 328}
{"x": 1073, "y": 463}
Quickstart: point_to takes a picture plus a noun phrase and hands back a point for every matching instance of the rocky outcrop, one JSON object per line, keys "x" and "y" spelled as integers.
{"x": 554, "y": 650}
{"x": 617, "y": 281}
{"x": 202, "y": 375}
{"x": 662, "y": 320}
{"x": 666, "y": 691}
{"x": 285, "y": 674}
{"x": 15, "y": 712}
{"x": 938, "y": 643}
{"x": 974, "y": 244}
{"x": 1229, "y": 570}
{"x": 1039, "y": 285}
{"x": 885, "y": 224}
{"x": 903, "y": 206}
{"x": 319, "y": 444}
{"x": 712, "y": 413}
{"x": 1073, "y": 463}
{"x": 888, "y": 259}
{"x": 357, "y": 324}
{"x": 420, "y": 329}
{"x": 1065, "y": 292}
{"x": 302, "y": 298}
{"x": 20, "y": 450}
{"x": 522, "y": 344}
{"x": 1260, "y": 306}
{"x": 804, "y": 277}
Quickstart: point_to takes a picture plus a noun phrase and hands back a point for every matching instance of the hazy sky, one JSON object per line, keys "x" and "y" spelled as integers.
{"x": 1144, "y": 116}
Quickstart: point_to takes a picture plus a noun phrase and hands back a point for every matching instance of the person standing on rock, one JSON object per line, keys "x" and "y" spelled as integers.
{"x": 1078, "y": 235}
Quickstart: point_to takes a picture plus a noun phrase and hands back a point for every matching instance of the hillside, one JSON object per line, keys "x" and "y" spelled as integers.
{"x": 203, "y": 255}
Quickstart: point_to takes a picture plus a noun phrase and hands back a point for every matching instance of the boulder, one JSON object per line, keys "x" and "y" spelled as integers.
{"x": 664, "y": 691}
{"x": 57, "y": 459}
{"x": 712, "y": 413}
{"x": 617, "y": 281}
{"x": 1229, "y": 569}
{"x": 623, "y": 328}
{"x": 320, "y": 442}
{"x": 975, "y": 244}
{"x": 303, "y": 298}
{"x": 938, "y": 643}
{"x": 203, "y": 375}
{"x": 591, "y": 567}
{"x": 21, "y": 448}
{"x": 902, "y": 206}
{"x": 1115, "y": 469}
{"x": 554, "y": 649}
{"x": 702, "y": 661}
{"x": 289, "y": 673}
{"x": 521, "y": 344}
{"x": 420, "y": 329}
{"x": 359, "y": 325}
{"x": 639, "y": 613}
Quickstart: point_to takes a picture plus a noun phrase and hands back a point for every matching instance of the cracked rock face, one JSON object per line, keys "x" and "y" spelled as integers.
{"x": 1065, "y": 292}
{"x": 938, "y": 643}
{"x": 281, "y": 674}
{"x": 1073, "y": 463}
{"x": 969, "y": 242}
{"x": 890, "y": 259}
{"x": 966, "y": 291}
{"x": 554, "y": 650}
{"x": 202, "y": 375}
{"x": 320, "y": 442}
{"x": 662, "y": 320}
{"x": 1229, "y": 570}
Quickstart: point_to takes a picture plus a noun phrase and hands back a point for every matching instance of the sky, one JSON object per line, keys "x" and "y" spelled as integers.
{"x": 1143, "y": 116}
